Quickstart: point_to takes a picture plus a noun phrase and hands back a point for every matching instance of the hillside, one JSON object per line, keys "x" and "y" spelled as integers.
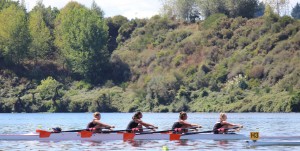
{"x": 164, "y": 65}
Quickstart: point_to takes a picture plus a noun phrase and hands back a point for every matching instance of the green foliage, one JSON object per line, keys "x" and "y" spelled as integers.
{"x": 114, "y": 25}
{"x": 81, "y": 36}
{"x": 14, "y": 34}
{"x": 160, "y": 65}
{"x": 49, "y": 88}
{"x": 41, "y": 38}
{"x": 296, "y": 11}
{"x": 213, "y": 20}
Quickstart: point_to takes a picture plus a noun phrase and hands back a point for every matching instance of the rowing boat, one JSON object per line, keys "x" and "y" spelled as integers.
{"x": 120, "y": 136}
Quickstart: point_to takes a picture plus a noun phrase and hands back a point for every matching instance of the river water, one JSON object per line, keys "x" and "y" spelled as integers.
{"x": 270, "y": 124}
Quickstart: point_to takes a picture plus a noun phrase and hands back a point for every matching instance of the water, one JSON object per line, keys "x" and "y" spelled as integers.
{"x": 271, "y": 124}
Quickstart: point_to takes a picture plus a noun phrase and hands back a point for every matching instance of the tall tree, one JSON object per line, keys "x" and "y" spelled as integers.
{"x": 82, "y": 37}
{"x": 114, "y": 25}
{"x": 260, "y": 10}
{"x": 181, "y": 9}
{"x": 296, "y": 11}
{"x": 14, "y": 34}
{"x": 209, "y": 7}
{"x": 42, "y": 40}
{"x": 97, "y": 9}
{"x": 244, "y": 8}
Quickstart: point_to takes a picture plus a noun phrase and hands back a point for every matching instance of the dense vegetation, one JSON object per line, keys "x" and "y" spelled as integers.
{"x": 75, "y": 60}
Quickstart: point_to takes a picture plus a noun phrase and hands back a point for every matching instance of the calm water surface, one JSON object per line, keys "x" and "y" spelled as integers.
{"x": 271, "y": 124}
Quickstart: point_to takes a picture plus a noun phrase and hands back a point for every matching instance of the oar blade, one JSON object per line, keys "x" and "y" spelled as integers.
{"x": 174, "y": 137}
{"x": 85, "y": 134}
{"x": 44, "y": 134}
{"x": 128, "y": 136}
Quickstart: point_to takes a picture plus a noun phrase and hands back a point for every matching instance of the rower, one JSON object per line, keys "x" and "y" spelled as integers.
{"x": 96, "y": 126}
{"x": 222, "y": 125}
{"x": 136, "y": 124}
{"x": 182, "y": 125}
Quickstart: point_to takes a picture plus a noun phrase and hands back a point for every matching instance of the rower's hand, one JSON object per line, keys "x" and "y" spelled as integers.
{"x": 152, "y": 128}
{"x": 111, "y": 128}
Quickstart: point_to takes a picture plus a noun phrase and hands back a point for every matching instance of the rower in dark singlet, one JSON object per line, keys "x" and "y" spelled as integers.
{"x": 222, "y": 125}
{"x": 181, "y": 125}
{"x": 136, "y": 124}
{"x": 96, "y": 126}
{"x": 217, "y": 127}
{"x": 177, "y": 125}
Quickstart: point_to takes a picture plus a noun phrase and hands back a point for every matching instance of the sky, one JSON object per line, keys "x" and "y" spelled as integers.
{"x": 128, "y": 8}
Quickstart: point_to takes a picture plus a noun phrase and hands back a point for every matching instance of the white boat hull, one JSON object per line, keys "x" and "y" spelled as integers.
{"x": 115, "y": 136}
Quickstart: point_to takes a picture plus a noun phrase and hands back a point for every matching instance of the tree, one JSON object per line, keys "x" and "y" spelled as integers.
{"x": 181, "y": 9}
{"x": 50, "y": 89}
{"x": 296, "y": 11}
{"x": 114, "y": 25}
{"x": 6, "y": 3}
{"x": 14, "y": 34}
{"x": 244, "y": 8}
{"x": 260, "y": 10}
{"x": 42, "y": 40}
{"x": 97, "y": 9}
{"x": 209, "y": 7}
{"x": 81, "y": 37}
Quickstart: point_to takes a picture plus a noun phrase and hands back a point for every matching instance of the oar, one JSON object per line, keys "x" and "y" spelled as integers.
{"x": 83, "y": 132}
{"x": 210, "y": 131}
{"x": 164, "y": 131}
{"x": 125, "y": 130}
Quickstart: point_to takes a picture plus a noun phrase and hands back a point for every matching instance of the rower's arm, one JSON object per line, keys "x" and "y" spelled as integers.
{"x": 190, "y": 125}
{"x": 104, "y": 125}
{"x": 146, "y": 124}
{"x": 231, "y": 124}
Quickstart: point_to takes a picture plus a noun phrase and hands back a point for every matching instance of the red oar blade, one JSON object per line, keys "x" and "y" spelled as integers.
{"x": 174, "y": 137}
{"x": 44, "y": 134}
{"x": 128, "y": 136}
{"x": 85, "y": 134}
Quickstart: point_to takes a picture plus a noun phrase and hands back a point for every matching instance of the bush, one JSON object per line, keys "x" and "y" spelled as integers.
{"x": 213, "y": 20}
{"x": 257, "y": 72}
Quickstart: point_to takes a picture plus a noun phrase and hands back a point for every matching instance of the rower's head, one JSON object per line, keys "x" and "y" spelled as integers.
{"x": 97, "y": 115}
{"x": 137, "y": 115}
{"x": 223, "y": 117}
{"x": 182, "y": 115}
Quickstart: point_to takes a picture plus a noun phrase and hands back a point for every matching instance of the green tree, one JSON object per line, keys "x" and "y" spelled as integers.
{"x": 181, "y": 9}
{"x": 209, "y": 7}
{"x": 260, "y": 10}
{"x": 244, "y": 8}
{"x": 296, "y": 11}
{"x": 50, "y": 89}
{"x": 82, "y": 36}
{"x": 6, "y": 3}
{"x": 42, "y": 40}
{"x": 14, "y": 33}
{"x": 114, "y": 25}
{"x": 97, "y": 9}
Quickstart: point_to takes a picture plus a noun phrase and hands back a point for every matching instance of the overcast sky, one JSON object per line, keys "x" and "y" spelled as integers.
{"x": 128, "y": 8}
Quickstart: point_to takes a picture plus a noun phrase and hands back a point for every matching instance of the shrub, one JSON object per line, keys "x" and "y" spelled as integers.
{"x": 257, "y": 72}
{"x": 213, "y": 20}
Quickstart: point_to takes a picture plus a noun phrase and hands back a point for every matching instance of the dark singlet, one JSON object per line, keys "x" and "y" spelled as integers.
{"x": 176, "y": 125}
{"x": 216, "y": 127}
{"x": 91, "y": 125}
{"x": 132, "y": 124}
